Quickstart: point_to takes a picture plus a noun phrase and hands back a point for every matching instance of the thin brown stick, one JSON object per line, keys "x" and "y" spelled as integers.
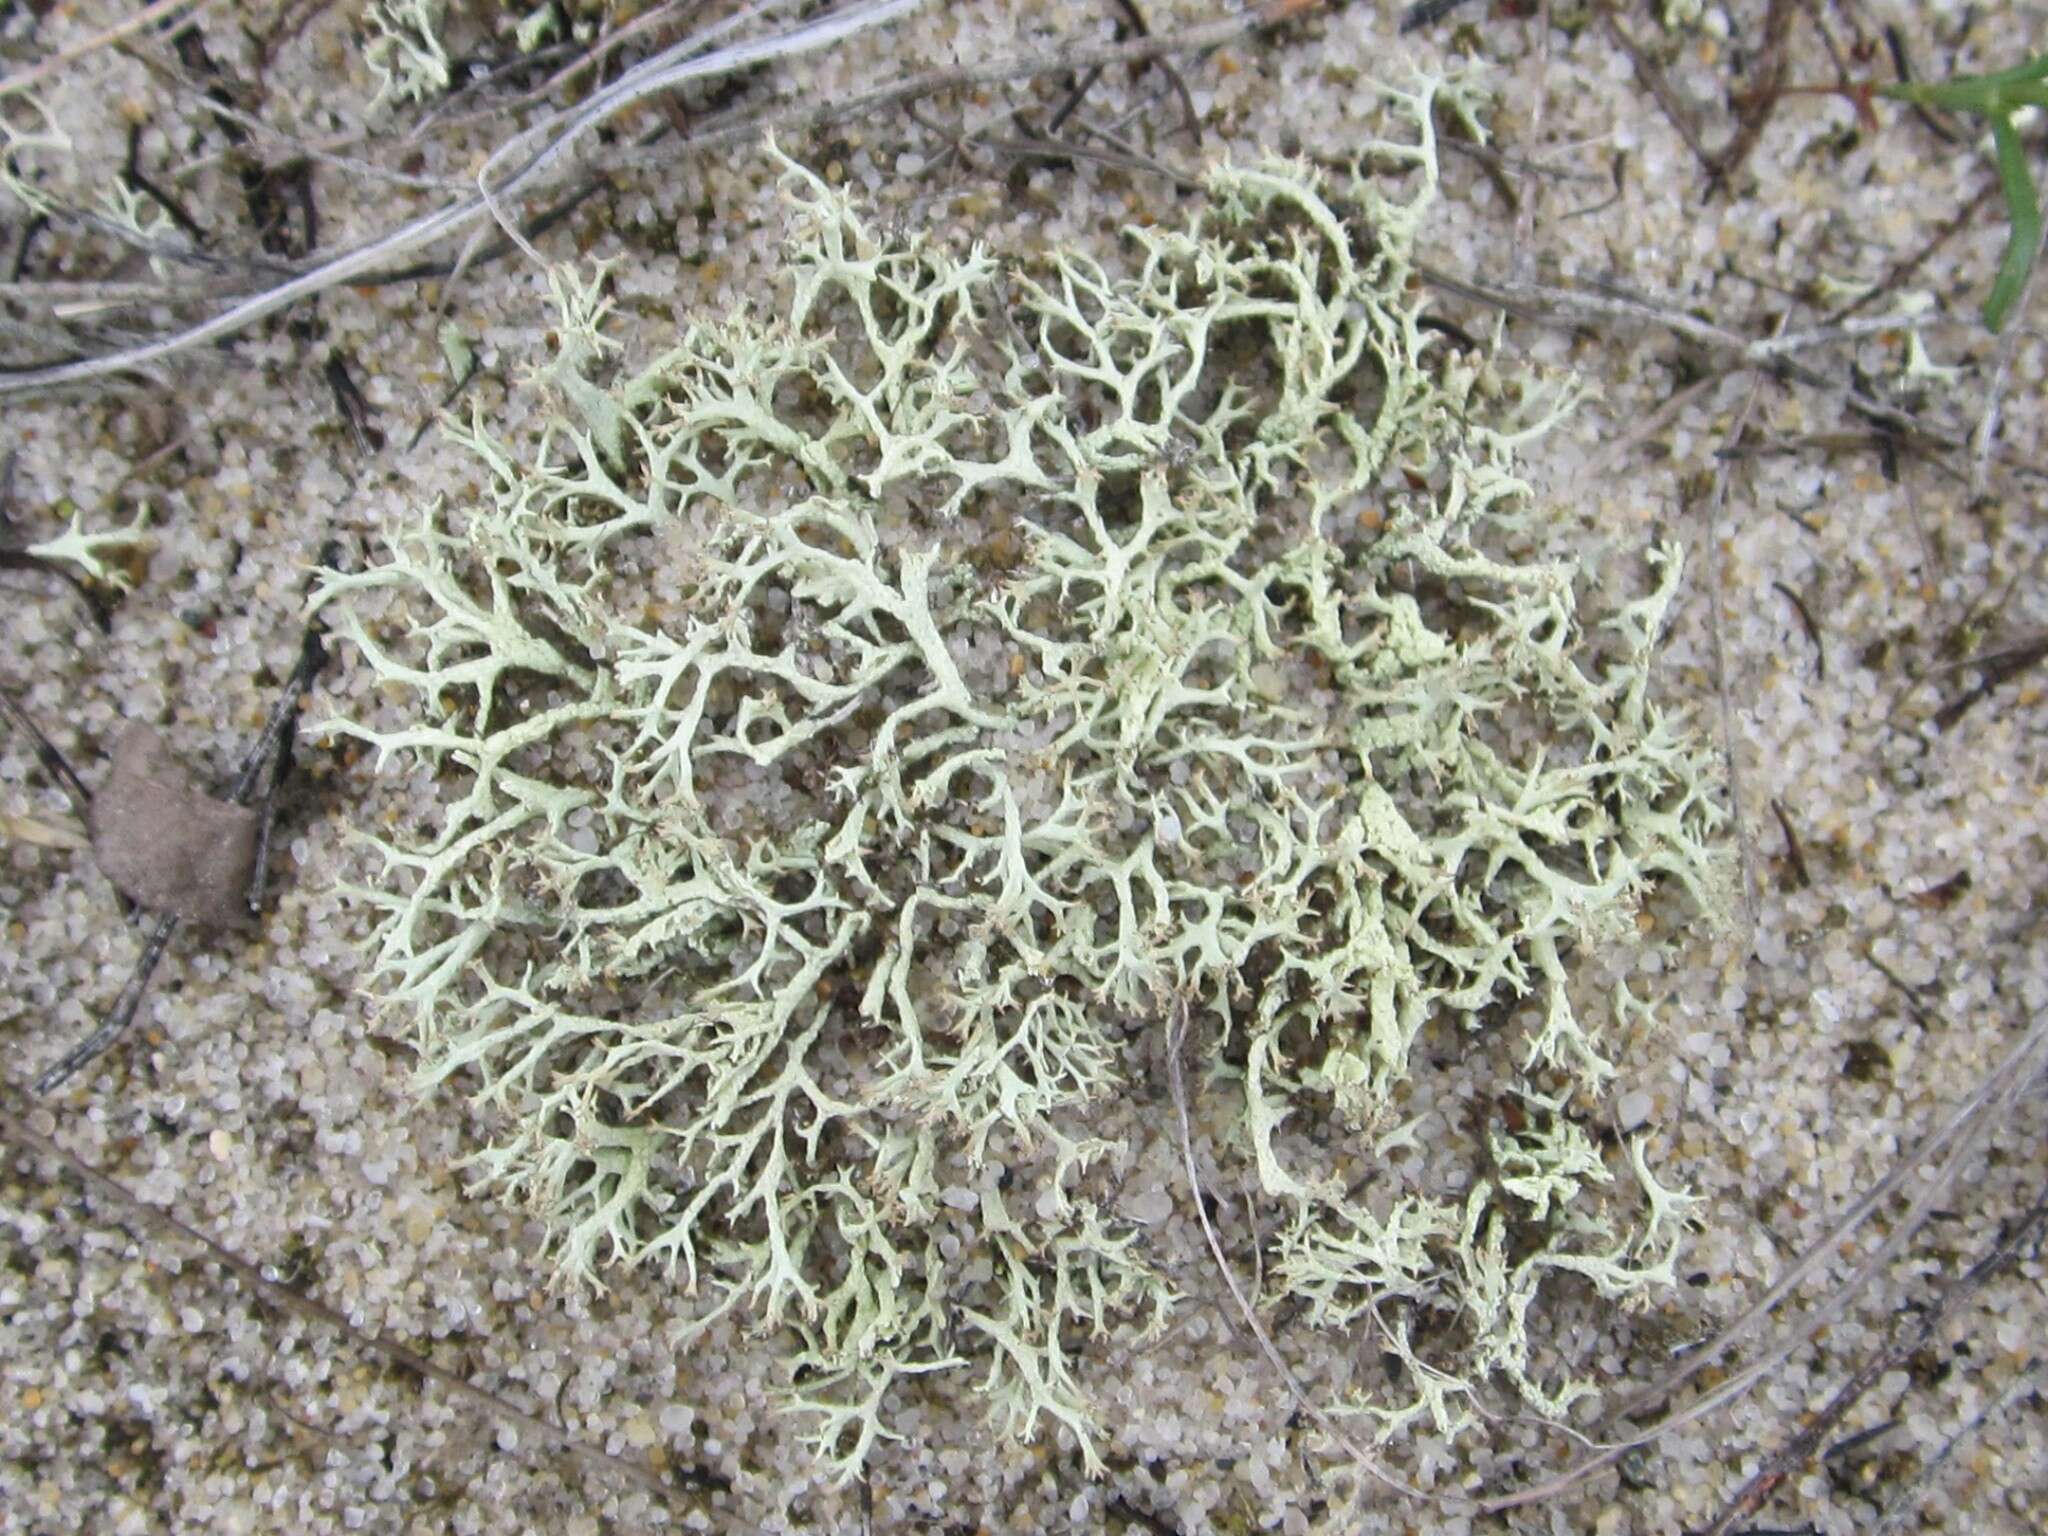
{"x": 1067, "y": 149}
{"x": 1800, "y": 1449}
{"x": 1793, "y": 851}
{"x": 1716, "y": 504}
{"x": 1593, "y": 300}
{"x": 1522, "y": 258}
{"x": 1653, "y": 78}
{"x": 1994, "y": 670}
{"x": 121, "y": 1017}
{"x": 1954, "y": 225}
{"x": 1820, "y": 653}
{"x": 537, "y": 170}
{"x": 28, "y": 79}
{"x": 1955, "y": 1137}
{"x": 1176, "y": 1038}
{"x": 54, "y": 762}
{"x": 1763, "y": 101}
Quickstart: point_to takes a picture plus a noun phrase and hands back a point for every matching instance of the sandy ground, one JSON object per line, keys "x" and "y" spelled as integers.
{"x": 1847, "y": 580}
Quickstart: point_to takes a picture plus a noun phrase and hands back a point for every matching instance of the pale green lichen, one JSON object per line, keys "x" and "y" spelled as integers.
{"x": 29, "y": 135}
{"x": 862, "y": 726}
{"x": 405, "y": 51}
{"x": 74, "y": 546}
{"x": 141, "y": 217}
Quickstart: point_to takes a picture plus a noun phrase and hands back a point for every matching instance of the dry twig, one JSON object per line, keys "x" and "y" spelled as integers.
{"x": 1815, "y": 1427}
{"x": 128, "y": 26}
{"x": 556, "y": 135}
{"x": 1365, "y": 1462}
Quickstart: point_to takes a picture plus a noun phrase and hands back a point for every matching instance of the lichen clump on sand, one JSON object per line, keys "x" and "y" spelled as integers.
{"x": 862, "y": 727}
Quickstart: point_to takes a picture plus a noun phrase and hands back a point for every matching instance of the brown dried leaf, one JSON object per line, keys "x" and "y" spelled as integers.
{"x": 167, "y": 844}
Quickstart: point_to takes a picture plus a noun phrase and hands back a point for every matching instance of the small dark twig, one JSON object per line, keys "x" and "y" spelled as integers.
{"x": 29, "y": 231}
{"x": 1895, "y": 41}
{"x": 54, "y": 762}
{"x": 135, "y": 181}
{"x": 279, "y": 741}
{"x": 1908, "y": 993}
{"x": 1653, "y": 77}
{"x": 1820, "y": 655}
{"x": 1454, "y": 331}
{"x": 1619, "y": 176}
{"x": 1842, "y": 1449}
{"x": 120, "y": 1019}
{"x": 1796, "y": 1451}
{"x": 1792, "y": 849}
{"x": 1120, "y": 1505}
{"x": 1082, "y": 86}
{"x": 1426, "y": 13}
{"x": 1995, "y": 670}
{"x": 1763, "y": 102}
{"x": 349, "y": 403}
{"x": 1962, "y": 219}
{"x": 1883, "y": 439}
{"x": 1075, "y": 97}
{"x": 265, "y": 190}
{"x": 1065, "y": 151}
{"x": 1133, "y": 24}
{"x": 21, "y": 560}
{"x": 455, "y": 392}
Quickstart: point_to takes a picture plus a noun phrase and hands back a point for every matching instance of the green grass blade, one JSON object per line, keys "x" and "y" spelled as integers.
{"x": 2024, "y": 209}
{"x": 1989, "y": 96}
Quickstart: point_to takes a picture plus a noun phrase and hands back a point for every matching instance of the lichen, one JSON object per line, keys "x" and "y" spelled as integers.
{"x": 28, "y": 135}
{"x": 405, "y": 51}
{"x": 860, "y": 727}
{"x": 75, "y": 546}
